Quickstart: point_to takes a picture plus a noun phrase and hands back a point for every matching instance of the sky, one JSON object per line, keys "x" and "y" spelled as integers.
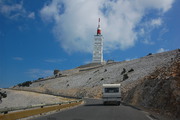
{"x": 39, "y": 36}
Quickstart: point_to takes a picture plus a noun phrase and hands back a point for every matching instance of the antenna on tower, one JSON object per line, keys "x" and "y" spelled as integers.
{"x": 99, "y": 29}
{"x": 99, "y": 23}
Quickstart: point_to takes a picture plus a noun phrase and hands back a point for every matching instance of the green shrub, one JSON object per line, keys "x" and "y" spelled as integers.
{"x": 149, "y": 54}
{"x": 3, "y": 94}
{"x": 125, "y": 76}
{"x": 40, "y": 78}
{"x": 56, "y": 72}
{"x": 124, "y": 71}
{"x": 131, "y": 70}
{"x": 25, "y": 84}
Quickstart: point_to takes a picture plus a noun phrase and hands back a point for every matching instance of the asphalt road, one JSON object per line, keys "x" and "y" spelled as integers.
{"x": 93, "y": 109}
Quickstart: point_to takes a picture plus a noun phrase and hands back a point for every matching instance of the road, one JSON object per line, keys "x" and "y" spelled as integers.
{"x": 93, "y": 109}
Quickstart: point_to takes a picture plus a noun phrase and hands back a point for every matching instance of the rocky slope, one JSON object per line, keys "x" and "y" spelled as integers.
{"x": 159, "y": 91}
{"x": 143, "y": 81}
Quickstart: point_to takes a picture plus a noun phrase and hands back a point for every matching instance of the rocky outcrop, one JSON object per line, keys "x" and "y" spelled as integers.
{"x": 159, "y": 91}
{"x": 2, "y": 94}
{"x": 57, "y": 73}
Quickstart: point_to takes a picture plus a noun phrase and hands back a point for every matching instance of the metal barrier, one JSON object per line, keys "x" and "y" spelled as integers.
{"x": 36, "y": 111}
{"x": 6, "y": 110}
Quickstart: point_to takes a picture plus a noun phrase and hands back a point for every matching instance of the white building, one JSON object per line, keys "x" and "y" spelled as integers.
{"x": 98, "y": 46}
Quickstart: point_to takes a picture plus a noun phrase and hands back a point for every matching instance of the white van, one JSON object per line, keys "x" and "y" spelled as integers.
{"x": 111, "y": 93}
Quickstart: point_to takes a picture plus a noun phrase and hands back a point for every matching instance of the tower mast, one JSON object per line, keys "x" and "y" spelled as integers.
{"x": 99, "y": 28}
{"x": 98, "y": 46}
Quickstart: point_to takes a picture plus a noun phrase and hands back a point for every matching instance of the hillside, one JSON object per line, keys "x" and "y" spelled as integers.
{"x": 159, "y": 91}
{"x": 134, "y": 75}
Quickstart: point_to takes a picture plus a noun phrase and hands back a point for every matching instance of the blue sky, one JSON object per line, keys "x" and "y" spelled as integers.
{"x": 38, "y": 36}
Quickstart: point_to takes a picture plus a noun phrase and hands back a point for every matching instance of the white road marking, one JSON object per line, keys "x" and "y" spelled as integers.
{"x": 149, "y": 117}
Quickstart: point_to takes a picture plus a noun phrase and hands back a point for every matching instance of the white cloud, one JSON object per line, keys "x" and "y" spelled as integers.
{"x": 156, "y": 22}
{"x": 141, "y": 32}
{"x": 31, "y": 15}
{"x": 162, "y": 32}
{"x": 147, "y": 27}
{"x": 162, "y": 50}
{"x": 37, "y": 73}
{"x": 14, "y": 10}
{"x": 148, "y": 42}
{"x": 18, "y": 58}
{"x": 162, "y": 5}
{"x": 75, "y": 21}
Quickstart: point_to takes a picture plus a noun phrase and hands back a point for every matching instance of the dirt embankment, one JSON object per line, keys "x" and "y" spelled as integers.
{"x": 159, "y": 91}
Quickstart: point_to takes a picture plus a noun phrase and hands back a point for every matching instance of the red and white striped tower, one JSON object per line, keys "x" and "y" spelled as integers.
{"x": 98, "y": 46}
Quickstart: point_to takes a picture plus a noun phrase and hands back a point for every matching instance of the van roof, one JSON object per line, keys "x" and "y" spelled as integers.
{"x": 111, "y": 85}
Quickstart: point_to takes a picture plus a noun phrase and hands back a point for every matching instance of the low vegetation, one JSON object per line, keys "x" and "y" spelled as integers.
{"x": 3, "y": 94}
{"x": 125, "y": 76}
{"x": 57, "y": 73}
{"x": 131, "y": 70}
{"x": 25, "y": 84}
{"x": 149, "y": 54}
{"x": 124, "y": 71}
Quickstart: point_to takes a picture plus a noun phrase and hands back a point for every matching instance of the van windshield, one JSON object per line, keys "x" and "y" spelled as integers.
{"x": 111, "y": 90}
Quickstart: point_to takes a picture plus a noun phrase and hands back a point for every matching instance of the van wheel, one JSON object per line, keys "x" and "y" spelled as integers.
{"x": 118, "y": 103}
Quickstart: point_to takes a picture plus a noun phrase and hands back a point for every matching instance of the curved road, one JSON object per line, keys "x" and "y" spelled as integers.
{"x": 93, "y": 109}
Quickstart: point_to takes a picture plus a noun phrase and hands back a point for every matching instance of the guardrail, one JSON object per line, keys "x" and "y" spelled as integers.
{"x": 35, "y": 110}
{"x": 6, "y": 110}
